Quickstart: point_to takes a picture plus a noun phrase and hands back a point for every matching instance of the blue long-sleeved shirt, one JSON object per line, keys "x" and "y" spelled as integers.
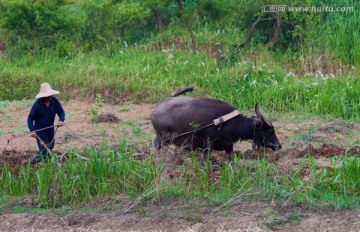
{"x": 41, "y": 116}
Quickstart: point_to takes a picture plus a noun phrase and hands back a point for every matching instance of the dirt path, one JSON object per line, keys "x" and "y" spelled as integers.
{"x": 243, "y": 216}
{"x": 323, "y": 139}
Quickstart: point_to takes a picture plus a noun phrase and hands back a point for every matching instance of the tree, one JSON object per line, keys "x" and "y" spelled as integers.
{"x": 187, "y": 24}
{"x": 35, "y": 23}
{"x": 108, "y": 21}
{"x": 184, "y": 16}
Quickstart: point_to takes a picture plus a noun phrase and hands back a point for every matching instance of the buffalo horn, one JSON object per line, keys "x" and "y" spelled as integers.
{"x": 262, "y": 116}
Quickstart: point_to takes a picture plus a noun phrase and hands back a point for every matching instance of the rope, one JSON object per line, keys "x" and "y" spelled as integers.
{"x": 19, "y": 136}
{"x": 216, "y": 122}
{"x": 79, "y": 136}
{"x": 42, "y": 142}
{"x": 185, "y": 133}
{"x": 48, "y": 144}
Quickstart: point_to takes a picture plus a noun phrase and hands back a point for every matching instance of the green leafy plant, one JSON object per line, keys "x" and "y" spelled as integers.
{"x": 94, "y": 111}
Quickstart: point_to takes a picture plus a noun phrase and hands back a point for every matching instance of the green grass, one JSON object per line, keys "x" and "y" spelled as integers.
{"x": 4, "y": 105}
{"x": 139, "y": 75}
{"x": 109, "y": 173}
{"x": 124, "y": 108}
{"x": 135, "y": 128}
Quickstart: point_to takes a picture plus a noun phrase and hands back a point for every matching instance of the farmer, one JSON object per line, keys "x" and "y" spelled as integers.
{"x": 42, "y": 115}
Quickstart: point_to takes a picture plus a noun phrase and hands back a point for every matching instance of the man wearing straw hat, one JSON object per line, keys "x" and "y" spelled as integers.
{"x": 41, "y": 120}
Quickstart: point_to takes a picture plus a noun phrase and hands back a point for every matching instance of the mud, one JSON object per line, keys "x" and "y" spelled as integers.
{"x": 106, "y": 117}
{"x": 338, "y": 126}
{"x": 14, "y": 160}
{"x": 325, "y": 151}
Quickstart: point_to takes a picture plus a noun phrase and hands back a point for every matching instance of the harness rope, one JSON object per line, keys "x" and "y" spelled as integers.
{"x": 19, "y": 136}
{"x": 216, "y": 122}
{"x": 185, "y": 133}
{"x": 78, "y": 136}
{"x": 42, "y": 142}
{"x": 46, "y": 145}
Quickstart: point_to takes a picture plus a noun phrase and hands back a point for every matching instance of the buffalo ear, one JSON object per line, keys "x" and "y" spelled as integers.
{"x": 258, "y": 122}
{"x": 262, "y": 116}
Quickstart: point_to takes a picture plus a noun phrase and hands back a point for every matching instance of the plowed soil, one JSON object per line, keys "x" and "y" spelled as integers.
{"x": 319, "y": 138}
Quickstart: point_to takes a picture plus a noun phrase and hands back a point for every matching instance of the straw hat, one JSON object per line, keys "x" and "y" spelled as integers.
{"x": 46, "y": 91}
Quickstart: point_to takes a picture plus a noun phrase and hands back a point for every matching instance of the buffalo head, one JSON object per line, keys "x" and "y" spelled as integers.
{"x": 264, "y": 134}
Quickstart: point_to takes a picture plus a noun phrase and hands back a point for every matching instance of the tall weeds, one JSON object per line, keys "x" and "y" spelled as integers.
{"x": 110, "y": 172}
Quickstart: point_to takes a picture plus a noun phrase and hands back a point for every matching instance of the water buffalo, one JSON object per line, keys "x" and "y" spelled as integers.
{"x": 189, "y": 121}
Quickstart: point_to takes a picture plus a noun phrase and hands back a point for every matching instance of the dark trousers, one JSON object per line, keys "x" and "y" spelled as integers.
{"x": 49, "y": 141}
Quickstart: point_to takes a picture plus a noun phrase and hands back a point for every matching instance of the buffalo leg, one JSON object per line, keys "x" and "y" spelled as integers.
{"x": 156, "y": 142}
{"x": 229, "y": 150}
{"x": 229, "y": 153}
{"x": 224, "y": 144}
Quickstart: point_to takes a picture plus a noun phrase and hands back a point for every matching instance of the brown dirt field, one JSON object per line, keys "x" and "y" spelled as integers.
{"x": 298, "y": 137}
{"x": 259, "y": 216}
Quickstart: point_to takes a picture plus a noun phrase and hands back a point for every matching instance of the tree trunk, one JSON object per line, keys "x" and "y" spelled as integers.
{"x": 159, "y": 21}
{"x": 187, "y": 24}
{"x": 252, "y": 29}
{"x": 36, "y": 46}
{"x": 2, "y": 47}
{"x": 219, "y": 55}
{"x": 276, "y": 34}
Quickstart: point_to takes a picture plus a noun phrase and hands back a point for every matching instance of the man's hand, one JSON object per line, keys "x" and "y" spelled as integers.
{"x": 60, "y": 123}
{"x": 33, "y": 134}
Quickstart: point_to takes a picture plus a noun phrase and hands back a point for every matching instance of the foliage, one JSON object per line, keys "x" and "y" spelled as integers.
{"x": 308, "y": 32}
{"x": 108, "y": 23}
{"x": 37, "y": 25}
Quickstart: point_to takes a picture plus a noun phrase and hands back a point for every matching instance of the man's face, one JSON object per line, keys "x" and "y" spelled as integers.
{"x": 45, "y": 99}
